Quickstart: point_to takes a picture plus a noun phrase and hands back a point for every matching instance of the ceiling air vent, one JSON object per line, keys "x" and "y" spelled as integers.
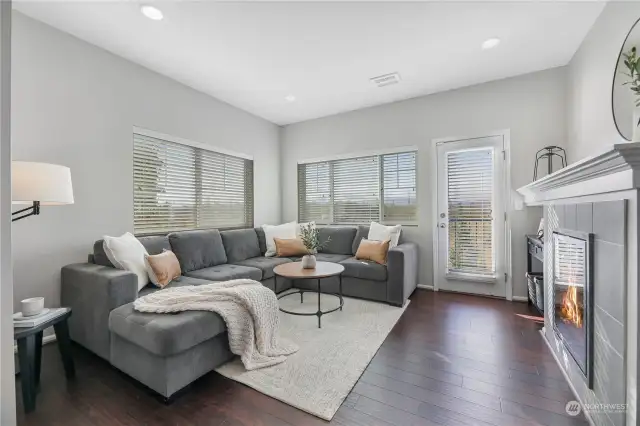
{"x": 386, "y": 79}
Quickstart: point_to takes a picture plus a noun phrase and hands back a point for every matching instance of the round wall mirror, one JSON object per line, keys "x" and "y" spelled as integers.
{"x": 625, "y": 94}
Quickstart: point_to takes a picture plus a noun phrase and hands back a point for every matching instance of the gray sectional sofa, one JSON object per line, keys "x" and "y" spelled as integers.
{"x": 166, "y": 352}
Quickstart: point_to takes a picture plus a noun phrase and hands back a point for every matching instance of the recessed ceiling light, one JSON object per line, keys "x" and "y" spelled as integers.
{"x": 490, "y": 43}
{"x": 289, "y": 98}
{"x": 151, "y": 12}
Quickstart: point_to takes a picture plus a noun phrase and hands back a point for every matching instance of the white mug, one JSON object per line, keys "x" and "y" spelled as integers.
{"x": 32, "y": 306}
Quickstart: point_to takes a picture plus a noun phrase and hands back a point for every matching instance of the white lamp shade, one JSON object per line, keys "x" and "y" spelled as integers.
{"x": 48, "y": 183}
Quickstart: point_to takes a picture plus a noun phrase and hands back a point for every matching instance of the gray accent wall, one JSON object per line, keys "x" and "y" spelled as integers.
{"x": 607, "y": 221}
{"x": 76, "y": 104}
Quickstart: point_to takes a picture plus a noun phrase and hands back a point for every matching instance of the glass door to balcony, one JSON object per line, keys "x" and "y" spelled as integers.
{"x": 471, "y": 217}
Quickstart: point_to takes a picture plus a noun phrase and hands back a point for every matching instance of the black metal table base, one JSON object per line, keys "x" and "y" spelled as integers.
{"x": 30, "y": 356}
{"x": 319, "y": 313}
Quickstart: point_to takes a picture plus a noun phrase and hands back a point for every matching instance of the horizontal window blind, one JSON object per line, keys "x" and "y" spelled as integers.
{"x": 357, "y": 190}
{"x": 178, "y": 187}
{"x": 399, "y": 187}
{"x": 470, "y": 209}
{"x": 314, "y": 192}
{"x": 569, "y": 260}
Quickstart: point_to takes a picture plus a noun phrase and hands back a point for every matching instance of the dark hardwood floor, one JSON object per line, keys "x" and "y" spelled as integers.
{"x": 450, "y": 360}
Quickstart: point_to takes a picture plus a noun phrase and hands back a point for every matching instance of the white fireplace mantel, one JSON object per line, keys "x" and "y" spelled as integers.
{"x": 616, "y": 169}
{"x": 571, "y": 196}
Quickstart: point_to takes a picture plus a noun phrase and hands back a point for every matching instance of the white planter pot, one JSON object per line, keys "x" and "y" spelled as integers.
{"x": 636, "y": 125}
{"x": 309, "y": 261}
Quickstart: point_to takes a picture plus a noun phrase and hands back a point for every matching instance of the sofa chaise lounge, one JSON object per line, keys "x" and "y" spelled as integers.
{"x": 167, "y": 352}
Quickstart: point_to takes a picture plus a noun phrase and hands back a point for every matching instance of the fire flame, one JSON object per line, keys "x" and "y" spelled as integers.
{"x": 570, "y": 310}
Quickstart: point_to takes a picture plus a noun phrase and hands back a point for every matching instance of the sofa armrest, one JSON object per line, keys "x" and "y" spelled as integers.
{"x": 402, "y": 270}
{"x": 93, "y": 291}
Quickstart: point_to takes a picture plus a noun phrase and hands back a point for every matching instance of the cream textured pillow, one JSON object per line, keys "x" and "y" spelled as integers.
{"x": 380, "y": 232}
{"x": 162, "y": 268}
{"x": 373, "y": 250}
{"x": 126, "y": 252}
{"x": 284, "y": 231}
{"x": 290, "y": 247}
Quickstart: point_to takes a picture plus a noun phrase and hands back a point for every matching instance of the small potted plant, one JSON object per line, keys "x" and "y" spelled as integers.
{"x": 309, "y": 235}
{"x": 632, "y": 64}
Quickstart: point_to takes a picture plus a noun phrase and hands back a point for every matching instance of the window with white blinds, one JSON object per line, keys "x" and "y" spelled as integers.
{"x": 178, "y": 187}
{"x": 358, "y": 190}
{"x": 399, "y": 188}
{"x": 470, "y": 184}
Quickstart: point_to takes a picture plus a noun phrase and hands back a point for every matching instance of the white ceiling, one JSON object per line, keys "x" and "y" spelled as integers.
{"x": 253, "y": 54}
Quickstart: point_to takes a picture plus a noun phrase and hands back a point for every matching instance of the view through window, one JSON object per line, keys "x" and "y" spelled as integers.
{"x": 178, "y": 186}
{"x": 358, "y": 190}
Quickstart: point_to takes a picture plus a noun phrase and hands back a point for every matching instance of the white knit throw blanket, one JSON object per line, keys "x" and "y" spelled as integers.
{"x": 249, "y": 309}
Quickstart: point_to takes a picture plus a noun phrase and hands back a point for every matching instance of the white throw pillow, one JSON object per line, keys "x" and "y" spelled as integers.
{"x": 127, "y": 253}
{"x": 284, "y": 231}
{"x": 382, "y": 233}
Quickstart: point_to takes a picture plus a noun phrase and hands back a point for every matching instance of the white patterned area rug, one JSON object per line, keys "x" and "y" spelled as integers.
{"x": 331, "y": 359}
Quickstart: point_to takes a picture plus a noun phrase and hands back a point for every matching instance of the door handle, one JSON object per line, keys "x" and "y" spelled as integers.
{"x": 443, "y": 225}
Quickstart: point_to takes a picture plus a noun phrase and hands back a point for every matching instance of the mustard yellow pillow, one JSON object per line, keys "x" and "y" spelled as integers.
{"x": 162, "y": 268}
{"x": 290, "y": 247}
{"x": 373, "y": 250}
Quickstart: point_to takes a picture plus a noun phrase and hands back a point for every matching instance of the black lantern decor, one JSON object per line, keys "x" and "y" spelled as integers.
{"x": 548, "y": 153}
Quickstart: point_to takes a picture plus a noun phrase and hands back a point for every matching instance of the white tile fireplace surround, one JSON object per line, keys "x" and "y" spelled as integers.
{"x": 597, "y": 198}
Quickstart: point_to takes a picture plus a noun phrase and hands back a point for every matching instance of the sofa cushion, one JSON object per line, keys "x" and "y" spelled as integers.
{"x": 165, "y": 334}
{"x": 335, "y": 258}
{"x": 362, "y": 232}
{"x": 373, "y": 250}
{"x": 265, "y": 264}
{"x": 153, "y": 244}
{"x": 262, "y": 240}
{"x": 240, "y": 244}
{"x": 198, "y": 249}
{"x": 340, "y": 239}
{"x": 226, "y": 272}
{"x": 99, "y": 256}
{"x": 127, "y": 252}
{"x": 178, "y": 282}
{"x": 162, "y": 268}
{"x": 364, "y": 269}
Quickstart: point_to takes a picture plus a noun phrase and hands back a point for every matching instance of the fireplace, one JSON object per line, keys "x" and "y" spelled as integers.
{"x": 573, "y": 296}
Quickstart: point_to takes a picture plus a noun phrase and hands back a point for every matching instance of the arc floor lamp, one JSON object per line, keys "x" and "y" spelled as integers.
{"x": 39, "y": 184}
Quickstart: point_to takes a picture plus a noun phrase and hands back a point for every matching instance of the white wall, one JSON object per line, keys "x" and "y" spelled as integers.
{"x": 76, "y": 104}
{"x": 7, "y": 370}
{"x": 590, "y": 125}
{"x": 531, "y": 106}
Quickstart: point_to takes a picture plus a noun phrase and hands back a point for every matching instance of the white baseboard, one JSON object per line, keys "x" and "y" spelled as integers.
{"x": 520, "y": 299}
{"x": 425, "y": 287}
{"x": 45, "y": 339}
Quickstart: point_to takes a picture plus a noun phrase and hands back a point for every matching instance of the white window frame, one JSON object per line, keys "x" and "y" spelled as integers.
{"x": 207, "y": 147}
{"x": 360, "y": 154}
{"x": 182, "y": 141}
